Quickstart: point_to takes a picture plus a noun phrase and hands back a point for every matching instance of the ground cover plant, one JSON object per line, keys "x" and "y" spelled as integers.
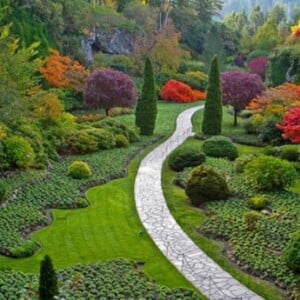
{"x": 254, "y": 239}
{"x": 118, "y": 279}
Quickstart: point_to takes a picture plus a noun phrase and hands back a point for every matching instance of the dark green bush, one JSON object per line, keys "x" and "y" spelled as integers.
{"x": 220, "y": 146}
{"x": 241, "y": 162}
{"x": 80, "y": 142}
{"x": 206, "y": 185}
{"x": 250, "y": 219}
{"x": 19, "y": 151}
{"x": 270, "y": 151}
{"x": 79, "y": 170}
{"x": 292, "y": 253}
{"x": 270, "y": 173}
{"x": 269, "y": 133}
{"x": 27, "y": 249}
{"x": 257, "y": 53}
{"x": 185, "y": 156}
{"x": 121, "y": 141}
{"x": 289, "y": 152}
{"x": 258, "y": 202}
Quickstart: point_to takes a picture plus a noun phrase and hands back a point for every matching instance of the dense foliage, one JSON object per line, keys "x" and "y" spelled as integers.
{"x": 292, "y": 253}
{"x": 146, "y": 109}
{"x": 212, "y": 118}
{"x": 205, "y": 185}
{"x": 107, "y": 88}
{"x": 79, "y": 170}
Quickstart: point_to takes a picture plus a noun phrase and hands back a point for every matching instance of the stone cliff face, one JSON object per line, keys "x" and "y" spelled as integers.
{"x": 117, "y": 41}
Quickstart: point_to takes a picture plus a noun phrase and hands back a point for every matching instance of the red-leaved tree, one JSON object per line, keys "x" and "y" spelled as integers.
{"x": 238, "y": 88}
{"x": 177, "y": 91}
{"x": 107, "y": 88}
{"x": 290, "y": 125}
{"x": 258, "y": 65}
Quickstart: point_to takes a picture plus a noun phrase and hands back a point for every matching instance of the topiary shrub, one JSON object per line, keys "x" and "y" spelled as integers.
{"x": 250, "y": 219}
{"x": 27, "y": 249}
{"x": 292, "y": 253}
{"x": 241, "y": 162}
{"x": 220, "y": 146}
{"x": 79, "y": 170}
{"x": 258, "y": 202}
{"x": 185, "y": 156}
{"x": 289, "y": 152}
{"x": 121, "y": 141}
{"x": 19, "y": 152}
{"x": 205, "y": 185}
{"x": 270, "y": 173}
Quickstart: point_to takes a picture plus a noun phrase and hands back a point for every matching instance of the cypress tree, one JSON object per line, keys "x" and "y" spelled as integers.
{"x": 48, "y": 287}
{"x": 146, "y": 110}
{"x": 212, "y": 116}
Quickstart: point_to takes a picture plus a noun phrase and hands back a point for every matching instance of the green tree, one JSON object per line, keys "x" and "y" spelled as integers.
{"x": 146, "y": 110}
{"x": 212, "y": 117}
{"x": 48, "y": 287}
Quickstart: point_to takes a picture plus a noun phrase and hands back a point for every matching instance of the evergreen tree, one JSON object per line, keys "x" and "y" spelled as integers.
{"x": 212, "y": 117}
{"x": 146, "y": 110}
{"x": 48, "y": 282}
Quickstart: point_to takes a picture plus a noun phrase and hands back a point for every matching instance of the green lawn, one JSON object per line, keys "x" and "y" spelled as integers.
{"x": 108, "y": 229}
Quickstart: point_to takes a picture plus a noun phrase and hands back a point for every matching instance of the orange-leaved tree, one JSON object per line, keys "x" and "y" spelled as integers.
{"x": 63, "y": 72}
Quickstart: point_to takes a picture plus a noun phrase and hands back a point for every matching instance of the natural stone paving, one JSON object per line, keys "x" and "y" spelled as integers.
{"x": 179, "y": 249}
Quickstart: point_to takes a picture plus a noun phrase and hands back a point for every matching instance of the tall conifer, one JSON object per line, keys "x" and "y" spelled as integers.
{"x": 146, "y": 110}
{"x": 212, "y": 117}
{"x": 48, "y": 281}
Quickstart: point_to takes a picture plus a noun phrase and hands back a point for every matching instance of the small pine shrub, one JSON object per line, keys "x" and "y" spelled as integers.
{"x": 258, "y": 202}
{"x": 185, "y": 156}
{"x": 250, "y": 219}
{"x": 19, "y": 152}
{"x": 121, "y": 141}
{"x": 241, "y": 162}
{"x": 289, "y": 152}
{"x": 270, "y": 173}
{"x": 292, "y": 253}
{"x": 220, "y": 146}
{"x": 79, "y": 170}
{"x": 205, "y": 185}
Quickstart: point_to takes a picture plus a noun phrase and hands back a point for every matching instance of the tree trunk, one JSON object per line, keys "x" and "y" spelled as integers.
{"x": 107, "y": 112}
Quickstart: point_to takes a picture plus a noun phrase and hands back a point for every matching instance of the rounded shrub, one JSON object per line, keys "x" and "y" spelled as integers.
{"x": 270, "y": 173}
{"x": 19, "y": 151}
{"x": 270, "y": 151}
{"x": 80, "y": 142}
{"x": 289, "y": 152}
{"x": 258, "y": 202}
{"x": 220, "y": 146}
{"x": 292, "y": 253}
{"x": 250, "y": 219}
{"x": 185, "y": 156}
{"x": 241, "y": 162}
{"x": 105, "y": 139}
{"x": 121, "y": 141}
{"x": 205, "y": 185}
{"x": 79, "y": 170}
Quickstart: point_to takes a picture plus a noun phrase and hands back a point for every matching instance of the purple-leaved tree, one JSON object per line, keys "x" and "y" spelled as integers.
{"x": 238, "y": 88}
{"x": 107, "y": 88}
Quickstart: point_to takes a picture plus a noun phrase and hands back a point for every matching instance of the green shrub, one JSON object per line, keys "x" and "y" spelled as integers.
{"x": 269, "y": 133}
{"x": 257, "y": 53}
{"x": 105, "y": 139}
{"x": 79, "y": 170}
{"x": 258, "y": 202}
{"x": 185, "y": 156}
{"x": 3, "y": 191}
{"x": 289, "y": 152}
{"x": 252, "y": 125}
{"x": 270, "y": 173}
{"x": 250, "y": 219}
{"x": 121, "y": 141}
{"x": 241, "y": 162}
{"x": 292, "y": 253}
{"x": 220, "y": 146}
{"x": 270, "y": 151}
{"x": 4, "y": 163}
{"x": 19, "y": 151}
{"x": 196, "y": 80}
{"x": 25, "y": 250}
{"x": 206, "y": 185}
{"x": 80, "y": 142}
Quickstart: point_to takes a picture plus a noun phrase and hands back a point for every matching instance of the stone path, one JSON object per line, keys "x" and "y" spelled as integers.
{"x": 179, "y": 249}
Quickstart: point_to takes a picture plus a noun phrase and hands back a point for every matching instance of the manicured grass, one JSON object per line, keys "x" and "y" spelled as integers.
{"x": 191, "y": 218}
{"x": 108, "y": 229}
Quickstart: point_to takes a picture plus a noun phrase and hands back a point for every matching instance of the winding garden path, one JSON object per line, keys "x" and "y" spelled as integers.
{"x": 178, "y": 248}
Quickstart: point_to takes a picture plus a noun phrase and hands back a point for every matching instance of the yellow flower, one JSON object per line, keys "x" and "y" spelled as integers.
{"x": 296, "y": 30}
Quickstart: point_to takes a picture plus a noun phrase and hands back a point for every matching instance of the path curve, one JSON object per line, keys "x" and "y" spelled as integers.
{"x": 178, "y": 248}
